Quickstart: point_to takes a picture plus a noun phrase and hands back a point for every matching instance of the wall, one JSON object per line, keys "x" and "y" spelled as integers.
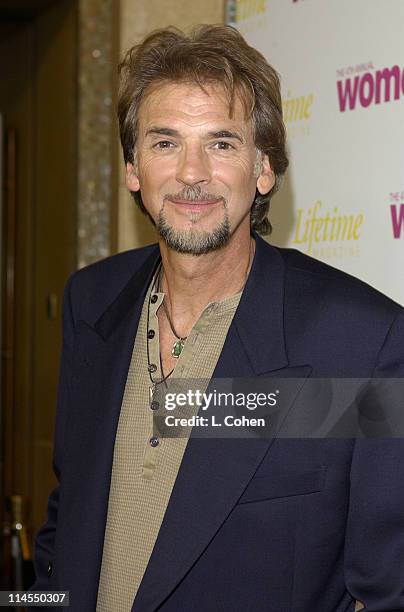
{"x": 342, "y": 73}
{"x": 138, "y": 18}
{"x": 98, "y": 53}
{"x": 38, "y": 94}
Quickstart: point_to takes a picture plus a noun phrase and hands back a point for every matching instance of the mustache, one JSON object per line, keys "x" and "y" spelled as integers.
{"x": 193, "y": 194}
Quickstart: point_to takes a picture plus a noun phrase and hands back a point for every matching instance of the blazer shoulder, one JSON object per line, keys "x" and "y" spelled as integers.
{"x": 341, "y": 287}
{"x": 347, "y": 321}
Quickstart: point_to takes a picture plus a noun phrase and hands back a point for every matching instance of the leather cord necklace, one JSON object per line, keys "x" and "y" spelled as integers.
{"x": 178, "y": 345}
{"x": 151, "y": 367}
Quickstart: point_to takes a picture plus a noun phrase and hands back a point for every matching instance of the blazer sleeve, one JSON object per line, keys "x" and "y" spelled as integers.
{"x": 374, "y": 549}
{"x": 45, "y": 538}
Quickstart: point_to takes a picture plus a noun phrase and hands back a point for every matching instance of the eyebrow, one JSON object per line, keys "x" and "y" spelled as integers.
{"x": 162, "y": 131}
{"x": 226, "y": 134}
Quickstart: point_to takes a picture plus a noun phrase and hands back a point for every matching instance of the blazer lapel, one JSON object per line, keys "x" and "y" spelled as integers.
{"x": 215, "y": 472}
{"x": 103, "y": 355}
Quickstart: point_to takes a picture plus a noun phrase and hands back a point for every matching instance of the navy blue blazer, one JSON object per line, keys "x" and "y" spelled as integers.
{"x": 252, "y": 524}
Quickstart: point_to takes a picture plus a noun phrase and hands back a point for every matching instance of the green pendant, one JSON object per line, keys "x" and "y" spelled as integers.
{"x": 177, "y": 348}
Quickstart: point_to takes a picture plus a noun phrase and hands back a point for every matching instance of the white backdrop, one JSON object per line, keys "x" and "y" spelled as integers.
{"x": 342, "y": 70}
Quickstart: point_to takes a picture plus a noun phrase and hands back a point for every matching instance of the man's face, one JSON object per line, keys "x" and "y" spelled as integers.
{"x": 197, "y": 168}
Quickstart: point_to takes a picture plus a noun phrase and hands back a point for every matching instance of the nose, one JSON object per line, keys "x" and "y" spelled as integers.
{"x": 193, "y": 166}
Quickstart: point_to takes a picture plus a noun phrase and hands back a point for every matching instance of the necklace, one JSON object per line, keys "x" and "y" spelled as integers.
{"x": 178, "y": 345}
{"x": 152, "y": 367}
{"x": 180, "y": 341}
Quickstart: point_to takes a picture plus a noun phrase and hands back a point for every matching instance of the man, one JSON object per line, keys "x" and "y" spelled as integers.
{"x": 145, "y": 522}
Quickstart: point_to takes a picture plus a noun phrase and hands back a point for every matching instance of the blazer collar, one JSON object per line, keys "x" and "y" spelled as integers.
{"x": 259, "y": 318}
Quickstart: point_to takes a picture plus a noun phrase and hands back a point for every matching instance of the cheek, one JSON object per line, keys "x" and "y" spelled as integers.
{"x": 239, "y": 176}
{"x": 155, "y": 172}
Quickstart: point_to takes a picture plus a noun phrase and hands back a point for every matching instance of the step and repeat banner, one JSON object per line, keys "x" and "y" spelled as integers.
{"x": 342, "y": 70}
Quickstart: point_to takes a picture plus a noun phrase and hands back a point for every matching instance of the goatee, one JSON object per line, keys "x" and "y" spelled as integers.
{"x": 194, "y": 241}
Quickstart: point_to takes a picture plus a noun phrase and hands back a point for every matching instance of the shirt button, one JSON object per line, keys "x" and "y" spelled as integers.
{"x": 154, "y": 405}
{"x": 152, "y": 367}
{"x": 154, "y": 298}
{"x": 154, "y": 442}
{"x": 50, "y": 568}
{"x": 151, "y": 333}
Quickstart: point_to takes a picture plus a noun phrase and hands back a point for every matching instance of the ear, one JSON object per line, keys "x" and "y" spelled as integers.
{"x": 266, "y": 178}
{"x": 131, "y": 178}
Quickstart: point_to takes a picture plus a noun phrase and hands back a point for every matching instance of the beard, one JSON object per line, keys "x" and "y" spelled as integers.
{"x": 194, "y": 241}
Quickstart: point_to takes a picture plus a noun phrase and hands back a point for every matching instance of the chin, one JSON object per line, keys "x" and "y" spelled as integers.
{"x": 194, "y": 241}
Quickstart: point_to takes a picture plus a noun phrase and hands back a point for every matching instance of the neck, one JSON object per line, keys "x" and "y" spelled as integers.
{"x": 191, "y": 282}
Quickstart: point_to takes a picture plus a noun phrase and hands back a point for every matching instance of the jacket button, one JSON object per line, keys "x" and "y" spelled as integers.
{"x": 50, "y": 568}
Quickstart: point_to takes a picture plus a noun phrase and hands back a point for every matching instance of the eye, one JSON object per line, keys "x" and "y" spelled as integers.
{"x": 222, "y": 145}
{"x": 163, "y": 144}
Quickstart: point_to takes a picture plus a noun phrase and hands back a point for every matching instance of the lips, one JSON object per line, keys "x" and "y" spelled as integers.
{"x": 195, "y": 203}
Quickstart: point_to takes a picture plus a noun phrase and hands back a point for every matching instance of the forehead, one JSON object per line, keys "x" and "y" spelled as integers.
{"x": 190, "y": 105}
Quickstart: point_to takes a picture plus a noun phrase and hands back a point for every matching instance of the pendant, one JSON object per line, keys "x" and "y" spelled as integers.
{"x": 151, "y": 392}
{"x": 177, "y": 348}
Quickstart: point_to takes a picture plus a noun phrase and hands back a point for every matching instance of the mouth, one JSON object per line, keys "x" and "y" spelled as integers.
{"x": 196, "y": 205}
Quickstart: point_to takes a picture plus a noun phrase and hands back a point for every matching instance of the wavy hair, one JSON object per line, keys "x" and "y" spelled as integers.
{"x": 208, "y": 54}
